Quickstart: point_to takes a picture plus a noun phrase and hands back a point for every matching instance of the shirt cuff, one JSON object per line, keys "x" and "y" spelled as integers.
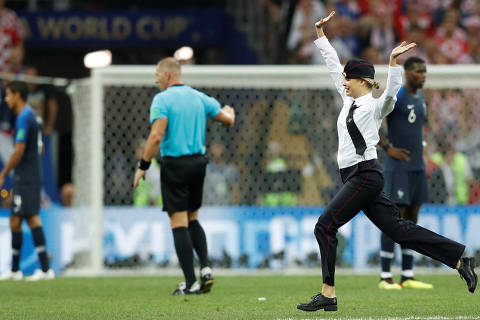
{"x": 320, "y": 42}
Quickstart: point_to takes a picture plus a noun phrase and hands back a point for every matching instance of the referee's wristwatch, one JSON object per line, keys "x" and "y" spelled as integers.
{"x": 143, "y": 164}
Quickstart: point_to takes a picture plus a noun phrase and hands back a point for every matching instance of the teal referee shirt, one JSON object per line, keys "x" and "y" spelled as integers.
{"x": 187, "y": 110}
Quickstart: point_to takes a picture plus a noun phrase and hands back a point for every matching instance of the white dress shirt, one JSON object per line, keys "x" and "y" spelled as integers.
{"x": 369, "y": 114}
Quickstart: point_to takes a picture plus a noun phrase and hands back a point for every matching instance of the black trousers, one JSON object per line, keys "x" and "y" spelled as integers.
{"x": 362, "y": 190}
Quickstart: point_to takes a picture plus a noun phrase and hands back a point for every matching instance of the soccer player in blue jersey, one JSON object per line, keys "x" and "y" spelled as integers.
{"x": 405, "y": 176}
{"x": 25, "y": 161}
{"x": 178, "y": 117}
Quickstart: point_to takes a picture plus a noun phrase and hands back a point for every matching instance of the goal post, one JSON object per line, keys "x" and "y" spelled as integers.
{"x": 295, "y": 106}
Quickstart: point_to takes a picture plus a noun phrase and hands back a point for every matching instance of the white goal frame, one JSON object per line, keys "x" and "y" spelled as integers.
{"x": 248, "y": 76}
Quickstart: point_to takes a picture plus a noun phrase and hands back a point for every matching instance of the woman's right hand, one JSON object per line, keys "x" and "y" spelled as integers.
{"x": 319, "y": 24}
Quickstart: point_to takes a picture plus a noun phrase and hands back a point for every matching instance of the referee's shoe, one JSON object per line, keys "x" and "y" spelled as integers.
{"x": 319, "y": 301}
{"x": 467, "y": 272}
{"x": 183, "y": 290}
{"x": 206, "y": 280}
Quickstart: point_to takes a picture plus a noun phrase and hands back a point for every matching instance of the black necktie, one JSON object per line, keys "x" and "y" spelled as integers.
{"x": 355, "y": 134}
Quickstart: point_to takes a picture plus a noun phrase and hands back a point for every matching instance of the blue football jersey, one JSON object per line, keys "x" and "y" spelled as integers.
{"x": 405, "y": 130}
{"x": 28, "y": 130}
{"x": 187, "y": 111}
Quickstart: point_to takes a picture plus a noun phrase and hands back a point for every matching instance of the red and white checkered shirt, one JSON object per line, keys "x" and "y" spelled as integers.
{"x": 11, "y": 35}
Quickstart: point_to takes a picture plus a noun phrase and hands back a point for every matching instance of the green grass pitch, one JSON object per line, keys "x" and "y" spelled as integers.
{"x": 232, "y": 298}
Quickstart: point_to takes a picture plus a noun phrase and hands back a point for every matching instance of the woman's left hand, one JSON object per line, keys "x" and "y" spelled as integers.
{"x": 403, "y": 47}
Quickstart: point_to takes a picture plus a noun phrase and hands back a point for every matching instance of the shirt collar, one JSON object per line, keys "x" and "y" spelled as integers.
{"x": 361, "y": 100}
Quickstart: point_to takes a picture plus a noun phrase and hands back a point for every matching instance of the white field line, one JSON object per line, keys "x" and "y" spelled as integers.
{"x": 396, "y": 318}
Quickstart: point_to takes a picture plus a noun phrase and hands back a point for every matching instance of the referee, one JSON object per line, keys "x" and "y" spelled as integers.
{"x": 178, "y": 116}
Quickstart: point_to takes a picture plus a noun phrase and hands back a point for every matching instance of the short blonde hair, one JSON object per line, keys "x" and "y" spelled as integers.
{"x": 372, "y": 83}
{"x": 170, "y": 64}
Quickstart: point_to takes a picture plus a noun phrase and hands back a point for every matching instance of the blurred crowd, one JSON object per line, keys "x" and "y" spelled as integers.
{"x": 446, "y": 31}
{"x": 283, "y": 151}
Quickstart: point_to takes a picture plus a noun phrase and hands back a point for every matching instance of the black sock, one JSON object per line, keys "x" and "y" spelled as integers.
{"x": 183, "y": 247}
{"x": 199, "y": 241}
{"x": 17, "y": 239}
{"x": 40, "y": 247}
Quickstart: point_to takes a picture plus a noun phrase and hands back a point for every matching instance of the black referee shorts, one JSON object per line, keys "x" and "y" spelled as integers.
{"x": 182, "y": 182}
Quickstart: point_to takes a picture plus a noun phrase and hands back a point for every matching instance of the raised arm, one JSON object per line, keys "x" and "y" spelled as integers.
{"x": 386, "y": 102}
{"x": 330, "y": 56}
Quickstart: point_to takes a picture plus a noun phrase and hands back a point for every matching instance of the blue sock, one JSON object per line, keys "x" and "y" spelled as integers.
{"x": 40, "y": 247}
{"x": 407, "y": 264}
{"x": 386, "y": 255}
{"x": 17, "y": 239}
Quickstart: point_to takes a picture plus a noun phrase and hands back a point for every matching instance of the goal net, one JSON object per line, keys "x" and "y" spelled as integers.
{"x": 282, "y": 150}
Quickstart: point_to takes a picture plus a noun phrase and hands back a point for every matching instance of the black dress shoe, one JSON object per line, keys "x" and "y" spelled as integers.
{"x": 467, "y": 272}
{"x": 318, "y": 302}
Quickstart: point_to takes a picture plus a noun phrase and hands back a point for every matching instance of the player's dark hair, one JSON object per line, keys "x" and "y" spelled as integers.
{"x": 19, "y": 87}
{"x": 408, "y": 64}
